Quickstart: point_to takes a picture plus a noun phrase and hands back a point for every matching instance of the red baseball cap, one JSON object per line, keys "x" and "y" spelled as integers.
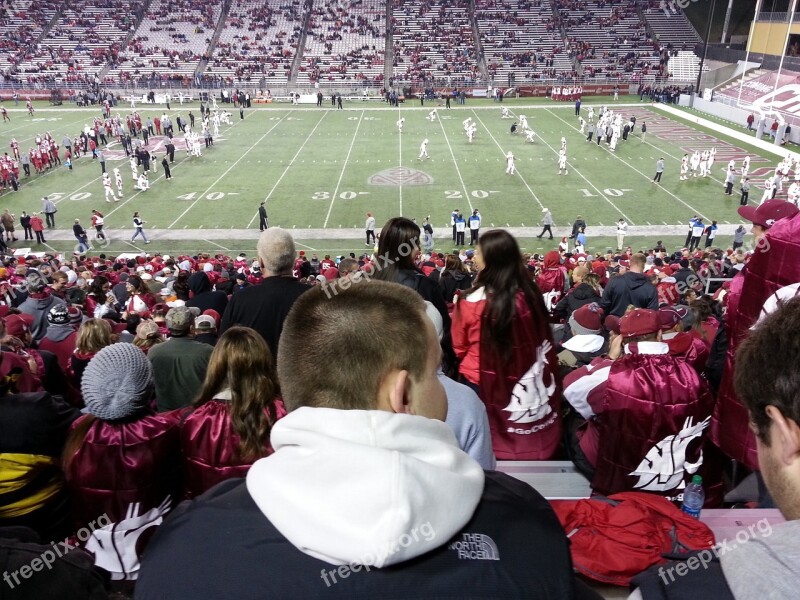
{"x": 768, "y": 212}
{"x": 18, "y": 324}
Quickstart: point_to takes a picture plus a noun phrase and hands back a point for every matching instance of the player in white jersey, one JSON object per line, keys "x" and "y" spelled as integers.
{"x": 745, "y": 166}
{"x": 109, "y": 192}
{"x": 704, "y": 163}
{"x": 523, "y": 122}
{"x": 505, "y": 113}
{"x": 614, "y": 139}
{"x": 564, "y": 144}
{"x": 769, "y": 189}
{"x": 423, "y": 149}
{"x": 118, "y": 179}
{"x": 400, "y": 122}
{"x": 710, "y": 161}
{"x": 510, "y": 169}
{"x": 684, "y": 167}
{"x": 134, "y": 168}
{"x": 731, "y": 165}
{"x": 582, "y": 123}
{"x": 466, "y": 123}
{"x": 530, "y": 135}
{"x": 142, "y": 184}
{"x": 432, "y": 115}
{"x": 694, "y": 163}
{"x": 590, "y": 115}
{"x": 471, "y": 132}
{"x": 793, "y": 193}
{"x": 562, "y": 162}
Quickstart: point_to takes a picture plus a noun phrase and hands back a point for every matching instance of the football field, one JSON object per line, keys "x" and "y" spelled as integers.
{"x": 319, "y": 170}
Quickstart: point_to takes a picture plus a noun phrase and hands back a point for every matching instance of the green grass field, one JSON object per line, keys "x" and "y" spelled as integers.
{"x": 321, "y": 170}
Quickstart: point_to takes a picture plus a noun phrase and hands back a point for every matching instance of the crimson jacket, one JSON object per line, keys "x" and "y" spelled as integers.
{"x": 120, "y": 464}
{"x": 774, "y": 265}
{"x": 649, "y": 412}
{"x": 211, "y": 447}
{"x": 521, "y": 397}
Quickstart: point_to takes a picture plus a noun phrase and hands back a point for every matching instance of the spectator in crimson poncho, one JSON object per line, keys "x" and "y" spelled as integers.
{"x": 502, "y": 336}
{"x": 647, "y": 415}
{"x": 775, "y": 264}
{"x": 552, "y": 280}
{"x": 120, "y": 459}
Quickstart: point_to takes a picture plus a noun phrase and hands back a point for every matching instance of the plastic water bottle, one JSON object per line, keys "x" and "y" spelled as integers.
{"x": 694, "y": 497}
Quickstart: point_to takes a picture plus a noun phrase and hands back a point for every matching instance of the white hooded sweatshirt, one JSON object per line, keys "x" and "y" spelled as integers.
{"x": 365, "y": 487}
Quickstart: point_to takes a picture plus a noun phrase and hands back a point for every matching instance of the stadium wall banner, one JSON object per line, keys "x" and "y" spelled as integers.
{"x": 536, "y": 91}
{"x": 771, "y": 91}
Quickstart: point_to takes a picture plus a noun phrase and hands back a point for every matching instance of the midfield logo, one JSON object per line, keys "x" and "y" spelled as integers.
{"x": 400, "y": 176}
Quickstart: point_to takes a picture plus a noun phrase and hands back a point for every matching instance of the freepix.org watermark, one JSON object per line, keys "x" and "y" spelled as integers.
{"x": 333, "y": 288}
{"x": 701, "y": 560}
{"x": 44, "y": 562}
{"x": 424, "y": 531}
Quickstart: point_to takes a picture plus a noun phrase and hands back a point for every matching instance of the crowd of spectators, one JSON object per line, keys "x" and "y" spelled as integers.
{"x": 345, "y": 44}
{"x": 433, "y": 40}
{"x": 258, "y": 41}
{"x": 171, "y": 360}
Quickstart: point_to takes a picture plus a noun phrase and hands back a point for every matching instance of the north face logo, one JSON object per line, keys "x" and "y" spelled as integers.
{"x": 475, "y": 546}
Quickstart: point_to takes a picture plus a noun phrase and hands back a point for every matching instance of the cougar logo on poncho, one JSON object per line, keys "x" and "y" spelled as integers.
{"x": 530, "y": 396}
{"x": 665, "y": 464}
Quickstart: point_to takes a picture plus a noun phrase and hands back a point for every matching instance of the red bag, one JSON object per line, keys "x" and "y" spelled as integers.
{"x": 614, "y": 539}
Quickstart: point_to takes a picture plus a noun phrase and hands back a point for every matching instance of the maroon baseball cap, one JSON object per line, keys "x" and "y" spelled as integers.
{"x": 768, "y": 212}
{"x": 639, "y": 322}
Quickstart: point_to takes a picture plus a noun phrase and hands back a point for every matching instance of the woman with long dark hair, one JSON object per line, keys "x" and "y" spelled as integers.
{"x": 502, "y": 336}
{"x": 398, "y": 251}
{"x": 228, "y": 429}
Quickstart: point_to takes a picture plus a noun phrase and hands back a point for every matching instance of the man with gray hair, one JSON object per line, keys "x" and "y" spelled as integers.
{"x": 264, "y": 307}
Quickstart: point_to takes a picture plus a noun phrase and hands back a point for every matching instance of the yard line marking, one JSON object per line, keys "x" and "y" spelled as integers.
{"x": 697, "y": 212}
{"x": 291, "y": 162}
{"x": 344, "y": 166}
{"x": 228, "y": 170}
{"x": 296, "y": 243}
{"x": 455, "y": 162}
{"x": 217, "y": 245}
{"x": 400, "y": 151}
{"x": 535, "y": 197}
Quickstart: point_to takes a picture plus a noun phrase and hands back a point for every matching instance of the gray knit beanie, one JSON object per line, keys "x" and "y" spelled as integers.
{"x": 117, "y": 382}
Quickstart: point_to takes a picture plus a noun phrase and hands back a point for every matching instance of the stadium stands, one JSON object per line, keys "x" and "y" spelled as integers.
{"x": 521, "y": 37}
{"x": 170, "y": 41}
{"x": 257, "y": 41}
{"x": 670, "y": 25}
{"x": 22, "y": 23}
{"x": 345, "y": 44}
{"x": 610, "y": 41}
{"x": 433, "y": 39}
{"x": 219, "y": 43}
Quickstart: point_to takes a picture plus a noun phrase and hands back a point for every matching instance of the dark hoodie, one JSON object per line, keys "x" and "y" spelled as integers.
{"x": 578, "y": 296}
{"x": 628, "y": 289}
{"x": 452, "y": 281}
{"x": 202, "y": 297}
